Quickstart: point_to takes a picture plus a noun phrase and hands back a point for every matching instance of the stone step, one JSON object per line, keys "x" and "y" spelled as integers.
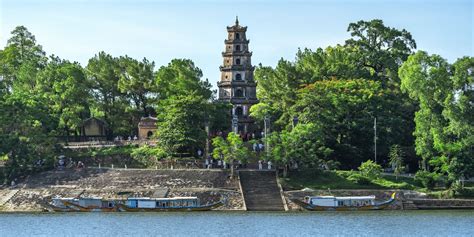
{"x": 260, "y": 190}
{"x": 7, "y": 196}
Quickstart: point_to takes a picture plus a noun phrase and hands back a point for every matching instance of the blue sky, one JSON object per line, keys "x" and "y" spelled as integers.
{"x": 167, "y": 29}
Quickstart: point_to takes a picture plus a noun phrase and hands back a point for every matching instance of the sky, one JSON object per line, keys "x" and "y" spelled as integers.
{"x": 165, "y": 29}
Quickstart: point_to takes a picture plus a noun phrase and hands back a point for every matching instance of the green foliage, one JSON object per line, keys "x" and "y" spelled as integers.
{"x": 230, "y": 149}
{"x": 342, "y": 109}
{"x": 382, "y": 48}
{"x": 303, "y": 144}
{"x": 103, "y": 73}
{"x": 137, "y": 83}
{"x": 330, "y": 63}
{"x": 317, "y": 179}
{"x": 359, "y": 179}
{"x": 181, "y": 128}
{"x": 396, "y": 159}
{"x": 21, "y": 59}
{"x": 180, "y": 77}
{"x": 148, "y": 156}
{"x": 25, "y": 125}
{"x": 370, "y": 169}
{"x": 62, "y": 84}
{"x": 276, "y": 89}
{"x": 444, "y": 128}
{"x": 427, "y": 179}
{"x": 220, "y": 116}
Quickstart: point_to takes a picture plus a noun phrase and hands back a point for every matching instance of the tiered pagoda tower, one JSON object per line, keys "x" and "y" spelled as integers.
{"x": 237, "y": 85}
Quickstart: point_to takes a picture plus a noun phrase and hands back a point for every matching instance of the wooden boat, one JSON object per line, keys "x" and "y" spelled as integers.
{"x": 81, "y": 205}
{"x": 166, "y": 204}
{"x": 331, "y": 203}
{"x": 131, "y": 204}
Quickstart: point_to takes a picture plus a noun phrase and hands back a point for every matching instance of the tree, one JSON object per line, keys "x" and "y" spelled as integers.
{"x": 341, "y": 62}
{"x": 383, "y": 49}
{"x": 63, "y": 84}
{"x": 303, "y": 144}
{"x": 181, "y": 127}
{"x": 103, "y": 72}
{"x": 396, "y": 159}
{"x": 25, "y": 133}
{"x": 426, "y": 79}
{"x": 370, "y": 169}
{"x": 443, "y": 126}
{"x": 220, "y": 116}
{"x": 180, "y": 77}
{"x": 230, "y": 150}
{"x": 21, "y": 59}
{"x": 459, "y": 110}
{"x": 343, "y": 110}
{"x": 26, "y": 124}
{"x": 137, "y": 82}
{"x": 276, "y": 92}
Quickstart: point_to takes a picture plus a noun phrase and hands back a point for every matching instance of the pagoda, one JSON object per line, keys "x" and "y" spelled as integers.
{"x": 237, "y": 84}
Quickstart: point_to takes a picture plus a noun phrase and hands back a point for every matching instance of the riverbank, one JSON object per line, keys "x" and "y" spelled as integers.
{"x": 31, "y": 194}
{"x": 208, "y": 185}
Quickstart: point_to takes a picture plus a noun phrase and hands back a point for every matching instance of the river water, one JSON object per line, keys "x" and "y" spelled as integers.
{"x": 377, "y": 223}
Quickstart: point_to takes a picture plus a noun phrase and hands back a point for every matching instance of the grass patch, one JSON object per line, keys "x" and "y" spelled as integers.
{"x": 316, "y": 179}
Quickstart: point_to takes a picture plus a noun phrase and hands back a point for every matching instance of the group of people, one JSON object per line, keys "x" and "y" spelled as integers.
{"x": 258, "y": 147}
{"x": 63, "y": 163}
{"x": 120, "y": 138}
{"x": 210, "y": 163}
{"x": 261, "y": 164}
{"x": 245, "y": 136}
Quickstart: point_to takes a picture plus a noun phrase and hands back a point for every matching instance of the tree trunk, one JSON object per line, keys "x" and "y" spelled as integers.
{"x": 232, "y": 169}
{"x": 285, "y": 171}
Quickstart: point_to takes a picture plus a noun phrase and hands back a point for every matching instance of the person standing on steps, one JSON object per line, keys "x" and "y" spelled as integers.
{"x": 260, "y": 165}
{"x": 269, "y": 164}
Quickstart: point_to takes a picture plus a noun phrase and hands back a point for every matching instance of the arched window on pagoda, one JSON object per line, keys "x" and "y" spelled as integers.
{"x": 238, "y": 77}
{"x": 239, "y": 111}
{"x": 237, "y": 36}
{"x": 239, "y": 93}
{"x": 237, "y": 61}
{"x": 237, "y": 48}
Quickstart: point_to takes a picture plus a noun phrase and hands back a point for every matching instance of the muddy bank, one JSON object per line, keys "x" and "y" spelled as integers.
{"x": 38, "y": 189}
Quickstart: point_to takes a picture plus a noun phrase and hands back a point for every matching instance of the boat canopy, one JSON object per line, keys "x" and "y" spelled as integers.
{"x": 343, "y": 198}
{"x": 356, "y": 198}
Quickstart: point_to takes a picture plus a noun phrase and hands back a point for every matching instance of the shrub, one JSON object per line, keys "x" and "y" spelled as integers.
{"x": 460, "y": 191}
{"x": 370, "y": 169}
{"x": 359, "y": 179}
{"x": 426, "y": 178}
{"x": 148, "y": 156}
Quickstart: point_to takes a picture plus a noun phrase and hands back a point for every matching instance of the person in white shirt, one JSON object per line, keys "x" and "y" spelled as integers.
{"x": 269, "y": 165}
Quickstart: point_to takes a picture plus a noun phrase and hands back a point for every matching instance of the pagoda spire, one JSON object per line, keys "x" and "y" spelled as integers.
{"x": 236, "y": 20}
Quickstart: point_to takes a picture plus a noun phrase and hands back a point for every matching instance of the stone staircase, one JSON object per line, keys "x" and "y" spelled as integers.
{"x": 6, "y": 195}
{"x": 261, "y": 191}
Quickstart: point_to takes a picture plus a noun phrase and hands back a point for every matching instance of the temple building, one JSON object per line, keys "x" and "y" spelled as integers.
{"x": 237, "y": 84}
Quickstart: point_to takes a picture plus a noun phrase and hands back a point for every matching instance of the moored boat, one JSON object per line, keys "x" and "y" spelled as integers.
{"x": 352, "y": 203}
{"x": 131, "y": 204}
{"x": 166, "y": 204}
